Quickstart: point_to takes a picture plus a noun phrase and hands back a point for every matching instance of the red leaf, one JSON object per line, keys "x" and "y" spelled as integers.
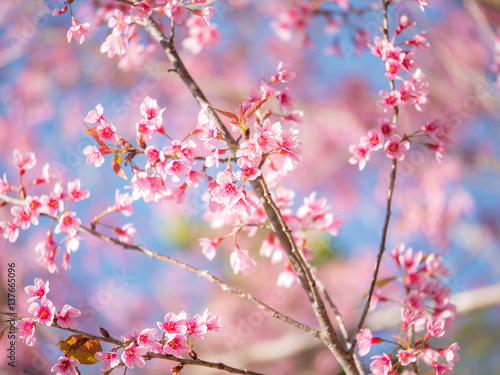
{"x": 227, "y": 114}
{"x": 249, "y": 112}
{"x": 115, "y": 163}
{"x": 93, "y": 132}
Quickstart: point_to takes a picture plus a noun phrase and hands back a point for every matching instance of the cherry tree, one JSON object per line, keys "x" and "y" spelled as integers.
{"x": 245, "y": 187}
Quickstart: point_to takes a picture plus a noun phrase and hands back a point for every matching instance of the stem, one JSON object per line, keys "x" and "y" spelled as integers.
{"x": 184, "y": 361}
{"x": 201, "y": 273}
{"x": 277, "y": 222}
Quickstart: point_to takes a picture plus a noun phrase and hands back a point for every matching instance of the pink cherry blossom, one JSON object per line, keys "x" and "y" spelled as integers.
{"x": 176, "y": 345}
{"x": 75, "y": 191}
{"x": 26, "y": 331}
{"x": 43, "y": 314}
{"x": 407, "y": 356}
{"x": 241, "y": 262}
{"x": 200, "y": 35}
{"x": 115, "y": 44}
{"x": 25, "y": 162}
{"x": 126, "y": 233}
{"x": 442, "y": 369}
{"x": 196, "y": 327}
{"x": 365, "y": 341}
{"x": 450, "y": 354}
{"x": 175, "y": 324}
{"x": 34, "y": 205}
{"x": 68, "y": 224}
{"x": 387, "y": 127}
{"x": 123, "y": 203}
{"x": 435, "y": 329}
{"x": 141, "y": 9}
{"x": 37, "y": 291}
{"x": 381, "y": 364}
{"x": 95, "y": 115}
{"x": 209, "y": 246}
{"x": 396, "y": 146}
{"x": 212, "y": 321}
{"x": 109, "y": 359}
{"x": 106, "y": 132}
{"x": 373, "y": 140}
{"x": 66, "y": 315}
{"x": 151, "y": 112}
{"x": 148, "y": 187}
{"x": 389, "y": 100}
{"x": 51, "y": 204}
{"x": 9, "y": 230}
{"x": 361, "y": 154}
{"x": 94, "y": 156}
{"x": 77, "y": 31}
{"x": 176, "y": 11}
{"x": 285, "y": 74}
{"x": 133, "y": 355}
{"x": 65, "y": 366}
{"x": 44, "y": 178}
{"x": 23, "y": 217}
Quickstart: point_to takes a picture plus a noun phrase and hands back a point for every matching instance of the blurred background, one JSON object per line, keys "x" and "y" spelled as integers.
{"x": 47, "y": 86}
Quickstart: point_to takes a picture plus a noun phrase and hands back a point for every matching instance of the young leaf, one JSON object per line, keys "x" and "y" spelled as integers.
{"x": 80, "y": 348}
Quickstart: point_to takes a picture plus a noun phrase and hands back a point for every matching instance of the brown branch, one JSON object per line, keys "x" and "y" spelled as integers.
{"x": 184, "y": 361}
{"x": 278, "y": 224}
{"x": 201, "y": 273}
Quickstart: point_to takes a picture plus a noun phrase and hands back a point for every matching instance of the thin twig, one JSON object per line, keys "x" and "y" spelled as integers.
{"x": 170, "y": 357}
{"x": 201, "y": 273}
{"x": 278, "y": 224}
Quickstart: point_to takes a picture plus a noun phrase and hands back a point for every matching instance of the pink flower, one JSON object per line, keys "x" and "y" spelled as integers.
{"x": 109, "y": 359}
{"x": 212, "y": 321}
{"x": 44, "y": 178}
{"x": 123, "y": 204}
{"x": 389, "y": 101}
{"x": 65, "y": 366}
{"x": 434, "y": 329}
{"x": 151, "y": 112}
{"x": 407, "y": 356}
{"x": 141, "y": 10}
{"x": 285, "y": 99}
{"x": 450, "y": 354}
{"x": 365, "y": 341}
{"x": 10, "y": 231}
{"x": 43, "y": 314}
{"x": 106, "y": 132}
{"x": 147, "y": 339}
{"x": 420, "y": 40}
{"x": 395, "y": 147}
{"x": 126, "y": 233}
{"x": 4, "y": 186}
{"x": 241, "y": 262}
{"x": 200, "y": 35}
{"x": 392, "y": 69}
{"x": 174, "y": 324}
{"x": 442, "y": 369}
{"x": 115, "y": 44}
{"x": 381, "y": 364}
{"x": 196, "y": 327}
{"x": 24, "y": 162}
{"x": 134, "y": 355}
{"x": 77, "y": 31}
{"x": 37, "y": 291}
{"x": 64, "y": 317}
{"x": 26, "y": 331}
{"x": 285, "y": 74}
{"x": 23, "y": 217}
{"x": 175, "y": 168}
{"x": 75, "y": 191}
{"x": 176, "y": 11}
{"x": 34, "y": 204}
{"x": 176, "y": 345}
{"x": 95, "y": 116}
{"x": 361, "y": 154}
{"x": 144, "y": 129}
{"x": 209, "y": 247}
{"x": 373, "y": 140}
{"x": 387, "y": 127}
{"x": 68, "y": 224}
{"x": 50, "y": 204}
{"x": 94, "y": 156}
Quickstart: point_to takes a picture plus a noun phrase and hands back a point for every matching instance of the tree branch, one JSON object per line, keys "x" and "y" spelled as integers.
{"x": 201, "y": 273}
{"x": 278, "y": 224}
{"x": 184, "y": 361}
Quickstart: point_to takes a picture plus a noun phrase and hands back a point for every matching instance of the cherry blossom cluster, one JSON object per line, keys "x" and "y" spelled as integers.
{"x": 53, "y": 204}
{"x": 124, "y": 40}
{"x": 176, "y": 336}
{"x": 426, "y": 312}
{"x": 44, "y": 312}
{"x": 434, "y": 135}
